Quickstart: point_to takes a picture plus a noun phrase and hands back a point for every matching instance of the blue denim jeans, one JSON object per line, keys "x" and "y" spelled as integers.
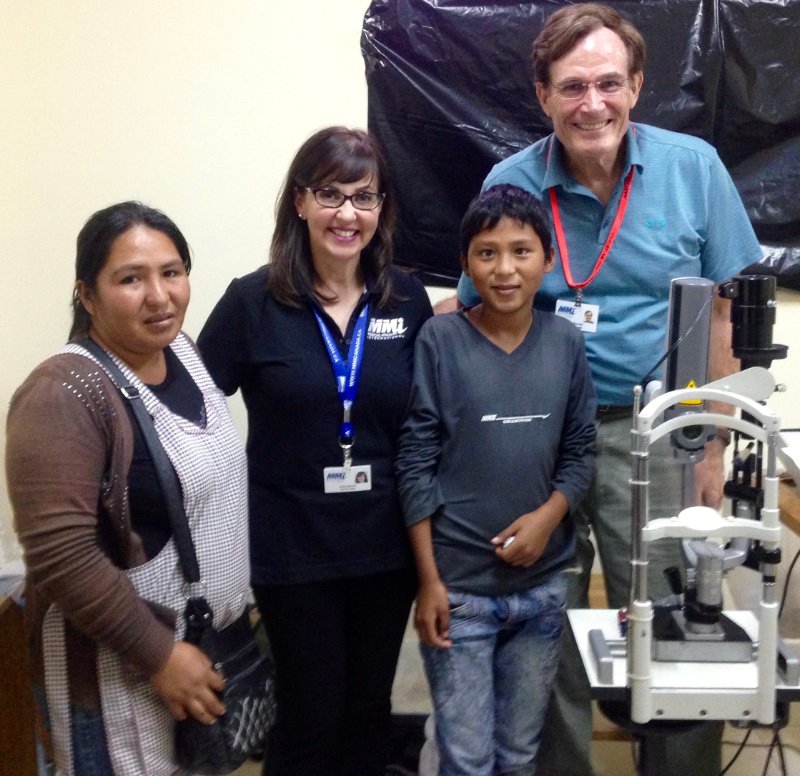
{"x": 89, "y": 746}
{"x": 90, "y": 755}
{"x": 491, "y": 688}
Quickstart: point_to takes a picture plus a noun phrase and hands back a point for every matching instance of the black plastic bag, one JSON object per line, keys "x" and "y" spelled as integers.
{"x": 451, "y": 93}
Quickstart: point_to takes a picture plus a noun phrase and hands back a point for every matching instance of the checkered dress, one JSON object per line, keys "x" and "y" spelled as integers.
{"x": 211, "y": 465}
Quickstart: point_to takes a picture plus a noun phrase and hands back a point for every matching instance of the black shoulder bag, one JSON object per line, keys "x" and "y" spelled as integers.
{"x": 249, "y": 694}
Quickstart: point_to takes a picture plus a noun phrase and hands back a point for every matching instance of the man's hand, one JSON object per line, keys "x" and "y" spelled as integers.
{"x": 448, "y": 305}
{"x": 709, "y": 475}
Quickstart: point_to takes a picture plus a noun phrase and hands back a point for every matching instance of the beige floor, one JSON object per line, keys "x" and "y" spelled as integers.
{"x": 610, "y": 757}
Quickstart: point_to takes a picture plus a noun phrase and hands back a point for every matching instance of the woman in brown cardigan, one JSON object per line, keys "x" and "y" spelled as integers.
{"x": 104, "y": 590}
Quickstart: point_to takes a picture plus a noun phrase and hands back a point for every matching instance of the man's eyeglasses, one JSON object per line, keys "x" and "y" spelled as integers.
{"x": 576, "y": 90}
{"x": 362, "y": 200}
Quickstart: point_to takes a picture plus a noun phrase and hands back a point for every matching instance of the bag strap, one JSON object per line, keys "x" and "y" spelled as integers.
{"x": 198, "y": 612}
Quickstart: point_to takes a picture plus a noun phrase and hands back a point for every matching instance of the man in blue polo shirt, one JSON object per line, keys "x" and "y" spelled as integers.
{"x": 683, "y": 218}
{"x": 633, "y": 207}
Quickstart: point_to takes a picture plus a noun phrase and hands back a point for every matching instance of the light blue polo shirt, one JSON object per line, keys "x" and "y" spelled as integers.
{"x": 684, "y": 219}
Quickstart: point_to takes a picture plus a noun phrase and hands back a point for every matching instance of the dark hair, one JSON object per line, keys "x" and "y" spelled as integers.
{"x": 505, "y": 201}
{"x": 567, "y": 26}
{"x": 332, "y": 154}
{"x": 96, "y": 240}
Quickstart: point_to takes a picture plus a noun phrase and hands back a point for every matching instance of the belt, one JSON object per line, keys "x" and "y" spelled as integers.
{"x": 614, "y": 411}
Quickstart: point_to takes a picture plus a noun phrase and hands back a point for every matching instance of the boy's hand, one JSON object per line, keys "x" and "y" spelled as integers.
{"x": 432, "y": 615}
{"x": 524, "y": 541}
{"x": 529, "y": 540}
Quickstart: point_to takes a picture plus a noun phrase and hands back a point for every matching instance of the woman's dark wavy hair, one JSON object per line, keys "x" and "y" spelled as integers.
{"x": 505, "y": 201}
{"x": 97, "y": 238}
{"x": 332, "y": 154}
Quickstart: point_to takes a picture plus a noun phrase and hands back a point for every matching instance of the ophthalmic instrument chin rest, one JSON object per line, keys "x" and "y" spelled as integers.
{"x": 697, "y": 630}
{"x": 684, "y": 658}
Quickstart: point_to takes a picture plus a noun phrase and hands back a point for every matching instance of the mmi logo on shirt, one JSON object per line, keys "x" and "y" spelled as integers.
{"x": 386, "y": 328}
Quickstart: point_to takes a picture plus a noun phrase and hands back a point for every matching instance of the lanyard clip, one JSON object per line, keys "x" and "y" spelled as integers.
{"x": 346, "y": 435}
{"x": 346, "y": 443}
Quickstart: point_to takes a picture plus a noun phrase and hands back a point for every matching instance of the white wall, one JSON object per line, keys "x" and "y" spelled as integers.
{"x": 193, "y": 106}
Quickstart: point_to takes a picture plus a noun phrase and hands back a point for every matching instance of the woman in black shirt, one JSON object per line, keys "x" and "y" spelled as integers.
{"x": 320, "y": 342}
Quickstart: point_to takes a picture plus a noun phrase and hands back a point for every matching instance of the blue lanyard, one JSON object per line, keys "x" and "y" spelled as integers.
{"x": 347, "y": 374}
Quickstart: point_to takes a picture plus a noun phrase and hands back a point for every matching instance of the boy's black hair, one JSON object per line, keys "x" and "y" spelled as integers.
{"x": 505, "y": 200}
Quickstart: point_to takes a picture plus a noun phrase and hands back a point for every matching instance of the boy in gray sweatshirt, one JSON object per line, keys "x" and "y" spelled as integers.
{"x": 497, "y": 448}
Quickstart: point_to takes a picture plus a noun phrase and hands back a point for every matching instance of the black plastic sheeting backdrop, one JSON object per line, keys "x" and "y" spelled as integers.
{"x": 451, "y": 93}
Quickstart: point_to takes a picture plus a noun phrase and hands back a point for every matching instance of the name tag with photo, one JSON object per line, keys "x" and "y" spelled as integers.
{"x": 584, "y": 316}
{"x": 339, "y": 479}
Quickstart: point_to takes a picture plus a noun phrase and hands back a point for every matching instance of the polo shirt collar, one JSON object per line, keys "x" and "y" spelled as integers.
{"x": 367, "y": 295}
{"x": 557, "y": 175}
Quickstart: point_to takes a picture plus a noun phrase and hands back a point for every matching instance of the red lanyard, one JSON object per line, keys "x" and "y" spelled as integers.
{"x": 612, "y": 235}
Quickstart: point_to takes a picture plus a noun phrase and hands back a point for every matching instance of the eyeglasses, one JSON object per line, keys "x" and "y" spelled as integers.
{"x": 361, "y": 200}
{"x": 576, "y": 90}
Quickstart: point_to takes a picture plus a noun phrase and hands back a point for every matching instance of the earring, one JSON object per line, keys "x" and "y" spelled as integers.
{"x": 301, "y": 216}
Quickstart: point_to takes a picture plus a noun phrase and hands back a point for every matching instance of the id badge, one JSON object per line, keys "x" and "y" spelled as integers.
{"x": 339, "y": 479}
{"x": 584, "y": 316}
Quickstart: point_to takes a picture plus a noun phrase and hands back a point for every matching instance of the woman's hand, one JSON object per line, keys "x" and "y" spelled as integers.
{"x": 188, "y": 684}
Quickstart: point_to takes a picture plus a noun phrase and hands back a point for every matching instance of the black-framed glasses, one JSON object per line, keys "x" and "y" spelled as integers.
{"x": 609, "y": 86}
{"x": 361, "y": 200}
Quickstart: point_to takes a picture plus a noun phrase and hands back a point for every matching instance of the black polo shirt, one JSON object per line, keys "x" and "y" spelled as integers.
{"x": 276, "y": 356}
